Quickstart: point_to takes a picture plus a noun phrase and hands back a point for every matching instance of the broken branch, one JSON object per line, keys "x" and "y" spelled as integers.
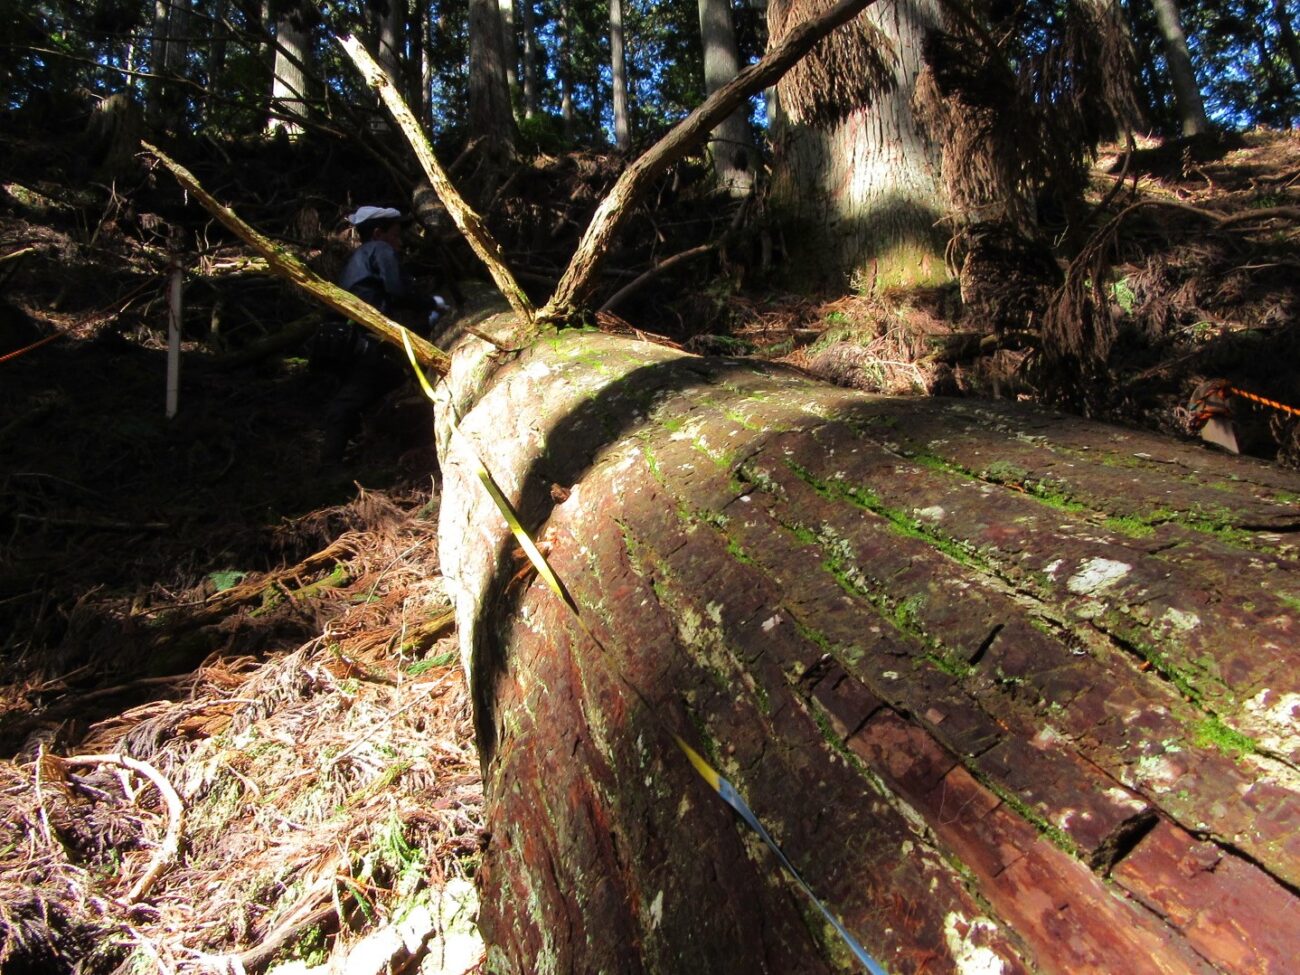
{"x": 579, "y": 276}
{"x": 470, "y": 223}
{"x": 175, "y": 816}
{"x": 287, "y": 266}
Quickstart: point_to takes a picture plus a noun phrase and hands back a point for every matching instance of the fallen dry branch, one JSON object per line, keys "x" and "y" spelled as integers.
{"x": 171, "y": 843}
{"x": 578, "y": 278}
{"x": 289, "y": 267}
{"x": 467, "y": 221}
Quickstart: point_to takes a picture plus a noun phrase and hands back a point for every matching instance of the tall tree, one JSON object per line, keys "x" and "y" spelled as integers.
{"x": 564, "y": 31}
{"x": 618, "y": 74}
{"x": 855, "y": 168}
{"x": 388, "y": 25}
{"x": 1187, "y": 93}
{"x": 732, "y": 145}
{"x": 920, "y": 123}
{"x": 490, "y": 115}
{"x": 532, "y": 95}
{"x": 510, "y": 42}
{"x": 169, "y": 50}
{"x": 290, "y": 77}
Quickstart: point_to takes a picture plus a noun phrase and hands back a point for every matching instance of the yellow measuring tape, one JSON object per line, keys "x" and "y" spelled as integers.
{"x": 725, "y": 790}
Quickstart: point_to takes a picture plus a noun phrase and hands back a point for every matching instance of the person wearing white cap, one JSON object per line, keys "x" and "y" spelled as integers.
{"x": 374, "y": 274}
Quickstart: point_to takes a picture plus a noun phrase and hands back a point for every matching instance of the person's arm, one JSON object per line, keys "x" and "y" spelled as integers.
{"x": 398, "y": 287}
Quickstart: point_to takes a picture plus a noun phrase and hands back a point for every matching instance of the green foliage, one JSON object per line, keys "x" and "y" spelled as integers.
{"x": 1122, "y": 293}
{"x": 433, "y": 663}
{"x": 226, "y": 579}
{"x": 543, "y": 133}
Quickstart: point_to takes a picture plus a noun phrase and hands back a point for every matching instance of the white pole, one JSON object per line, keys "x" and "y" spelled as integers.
{"x": 174, "y": 310}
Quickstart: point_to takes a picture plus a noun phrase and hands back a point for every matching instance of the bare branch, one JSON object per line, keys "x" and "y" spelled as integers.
{"x": 580, "y": 274}
{"x": 288, "y": 266}
{"x": 470, "y": 223}
{"x": 171, "y": 844}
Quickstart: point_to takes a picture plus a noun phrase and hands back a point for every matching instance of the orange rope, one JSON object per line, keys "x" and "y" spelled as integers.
{"x": 35, "y": 345}
{"x": 1260, "y": 399}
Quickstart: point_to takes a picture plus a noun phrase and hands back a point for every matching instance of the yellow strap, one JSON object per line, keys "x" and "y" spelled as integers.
{"x": 706, "y": 770}
{"x": 502, "y": 502}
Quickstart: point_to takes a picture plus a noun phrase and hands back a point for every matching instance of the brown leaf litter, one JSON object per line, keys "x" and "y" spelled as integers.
{"x": 320, "y": 796}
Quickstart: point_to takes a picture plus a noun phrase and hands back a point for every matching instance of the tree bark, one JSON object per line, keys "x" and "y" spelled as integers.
{"x": 564, "y": 32}
{"x": 855, "y": 172}
{"x": 1014, "y": 691}
{"x": 732, "y": 145}
{"x": 388, "y": 24}
{"x": 290, "y": 79}
{"x": 169, "y": 47}
{"x": 509, "y": 42}
{"x": 490, "y": 115}
{"x": 618, "y": 73}
{"x": 532, "y": 100}
{"x": 1187, "y": 93}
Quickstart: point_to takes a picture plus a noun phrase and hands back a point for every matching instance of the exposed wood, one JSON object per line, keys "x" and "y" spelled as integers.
{"x": 287, "y": 266}
{"x": 993, "y": 677}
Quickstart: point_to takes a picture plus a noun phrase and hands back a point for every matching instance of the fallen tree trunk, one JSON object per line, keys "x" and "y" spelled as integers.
{"x": 1013, "y": 690}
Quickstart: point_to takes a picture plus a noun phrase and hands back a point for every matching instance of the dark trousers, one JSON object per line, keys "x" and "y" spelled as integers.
{"x": 371, "y": 376}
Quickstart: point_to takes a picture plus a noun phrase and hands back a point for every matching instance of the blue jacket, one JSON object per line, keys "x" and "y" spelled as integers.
{"x": 374, "y": 274}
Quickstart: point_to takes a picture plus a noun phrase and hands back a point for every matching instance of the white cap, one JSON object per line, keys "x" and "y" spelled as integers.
{"x": 374, "y": 213}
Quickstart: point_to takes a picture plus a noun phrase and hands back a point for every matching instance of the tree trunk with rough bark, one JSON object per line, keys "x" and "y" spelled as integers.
{"x": 289, "y": 81}
{"x": 618, "y": 77}
{"x": 855, "y": 169}
{"x": 1014, "y": 691}
{"x": 732, "y": 145}
{"x": 491, "y": 117}
{"x": 1187, "y": 93}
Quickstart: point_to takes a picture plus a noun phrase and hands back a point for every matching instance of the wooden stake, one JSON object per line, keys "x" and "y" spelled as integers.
{"x": 175, "y": 315}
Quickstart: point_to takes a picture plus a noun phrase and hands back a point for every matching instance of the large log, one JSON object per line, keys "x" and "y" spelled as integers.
{"x": 1013, "y": 690}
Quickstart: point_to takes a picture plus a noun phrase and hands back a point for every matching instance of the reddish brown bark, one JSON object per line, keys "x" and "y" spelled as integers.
{"x": 1014, "y": 691}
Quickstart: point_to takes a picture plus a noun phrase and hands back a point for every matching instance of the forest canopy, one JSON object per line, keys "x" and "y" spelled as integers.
{"x": 211, "y": 66}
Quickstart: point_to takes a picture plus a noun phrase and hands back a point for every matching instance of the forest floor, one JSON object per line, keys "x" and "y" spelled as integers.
{"x": 234, "y": 732}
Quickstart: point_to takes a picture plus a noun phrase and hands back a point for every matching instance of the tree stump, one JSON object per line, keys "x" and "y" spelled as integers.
{"x": 1013, "y": 690}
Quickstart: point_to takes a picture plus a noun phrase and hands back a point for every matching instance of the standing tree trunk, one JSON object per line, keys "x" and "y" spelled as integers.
{"x": 218, "y": 43}
{"x": 855, "y": 174}
{"x": 169, "y": 50}
{"x": 490, "y": 115}
{"x": 618, "y": 72}
{"x": 732, "y": 146}
{"x": 1286, "y": 33}
{"x": 532, "y": 103}
{"x": 993, "y": 732}
{"x": 1187, "y": 93}
{"x": 388, "y": 23}
{"x": 564, "y": 30}
{"x": 509, "y": 43}
{"x": 290, "y": 80}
